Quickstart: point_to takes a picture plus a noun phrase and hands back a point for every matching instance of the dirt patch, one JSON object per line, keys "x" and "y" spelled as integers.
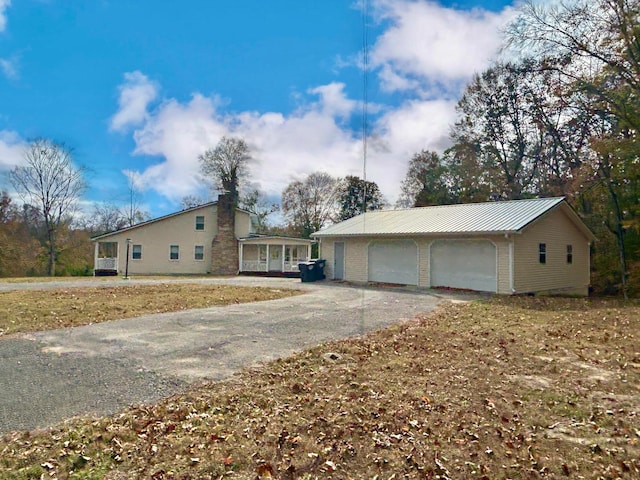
{"x": 456, "y": 394}
{"x": 38, "y": 310}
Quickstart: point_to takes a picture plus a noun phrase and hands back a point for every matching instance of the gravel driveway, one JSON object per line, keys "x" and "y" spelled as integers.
{"x": 48, "y": 376}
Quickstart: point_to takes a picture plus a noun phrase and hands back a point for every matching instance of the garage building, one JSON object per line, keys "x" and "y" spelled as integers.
{"x": 509, "y": 247}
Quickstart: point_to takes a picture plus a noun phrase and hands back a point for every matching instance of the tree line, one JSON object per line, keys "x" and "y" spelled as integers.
{"x": 559, "y": 118}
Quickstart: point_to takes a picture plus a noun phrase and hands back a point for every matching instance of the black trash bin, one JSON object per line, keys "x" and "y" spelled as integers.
{"x": 306, "y": 271}
{"x": 320, "y": 263}
{"x": 312, "y": 271}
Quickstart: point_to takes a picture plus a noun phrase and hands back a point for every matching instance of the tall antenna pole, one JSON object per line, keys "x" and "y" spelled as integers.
{"x": 365, "y": 98}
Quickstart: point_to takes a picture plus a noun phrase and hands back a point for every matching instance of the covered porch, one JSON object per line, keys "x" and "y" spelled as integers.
{"x": 105, "y": 259}
{"x": 273, "y": 254}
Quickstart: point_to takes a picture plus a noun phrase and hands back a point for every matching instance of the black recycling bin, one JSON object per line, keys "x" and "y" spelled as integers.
{"x": 312, "y": 271}
{"x": 320, "y": 269}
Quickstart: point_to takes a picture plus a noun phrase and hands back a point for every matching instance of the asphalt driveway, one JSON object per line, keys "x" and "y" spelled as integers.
{"x": 48, "y": 376}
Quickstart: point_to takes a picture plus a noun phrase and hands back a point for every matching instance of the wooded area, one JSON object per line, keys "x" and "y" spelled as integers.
{"x": 559, "y": 118}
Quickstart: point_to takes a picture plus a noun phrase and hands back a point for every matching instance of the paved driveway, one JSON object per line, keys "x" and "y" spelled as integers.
{"x": 49, "y": 376}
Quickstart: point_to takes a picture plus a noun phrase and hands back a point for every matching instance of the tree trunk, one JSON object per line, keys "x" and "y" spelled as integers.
{"x": 619, "y": 233}
{"x": 51, "y": 267}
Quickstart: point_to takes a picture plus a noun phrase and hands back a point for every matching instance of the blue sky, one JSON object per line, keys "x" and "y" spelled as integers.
{"x": 142, "y": 87}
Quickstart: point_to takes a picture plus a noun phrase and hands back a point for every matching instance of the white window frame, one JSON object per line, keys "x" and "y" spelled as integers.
{"x": 177, "y": 247}
{"x": 195, "y": 253}
{"x": 133, "y": 251}
{"x": 199, "y": 224}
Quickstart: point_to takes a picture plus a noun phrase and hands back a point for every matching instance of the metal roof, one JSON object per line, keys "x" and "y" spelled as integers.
{"x": 471, "y": 218}
{"x": 258, "y": 238}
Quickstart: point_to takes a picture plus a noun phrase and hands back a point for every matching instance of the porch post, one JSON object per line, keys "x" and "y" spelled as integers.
{"x": 282, "y": 260}
{"x": 240, "y": 252}
{"x": 95, "y": 257}
{"x": 268, "y": 258}
{"x": 308, "y": 251}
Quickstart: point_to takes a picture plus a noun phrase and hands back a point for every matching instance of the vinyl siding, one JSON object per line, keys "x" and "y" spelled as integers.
{"x": 157, "y": 237}
{"x": 424, "y": 244}
{"x": 504, "y": 265}
{"x": 355, "y": 254}
{"x": 556, "y": 230}
{"x": 356, "y": 258}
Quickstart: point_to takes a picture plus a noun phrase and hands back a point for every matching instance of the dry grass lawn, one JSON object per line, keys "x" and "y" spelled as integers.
{"x": 513, "y": 388}
{"x": 29, "y": 310}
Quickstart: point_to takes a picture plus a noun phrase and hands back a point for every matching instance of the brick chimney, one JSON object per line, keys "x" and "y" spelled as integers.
{"x": 224, "y": 248}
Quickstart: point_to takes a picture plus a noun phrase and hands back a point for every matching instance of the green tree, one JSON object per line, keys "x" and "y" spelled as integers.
{"x": 357, "y": 196}
{"x": 20, "y": 253}
{"x": 425, "y": 183}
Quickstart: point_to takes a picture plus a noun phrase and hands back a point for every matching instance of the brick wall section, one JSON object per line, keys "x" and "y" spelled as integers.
{"x": 224, "y": 248}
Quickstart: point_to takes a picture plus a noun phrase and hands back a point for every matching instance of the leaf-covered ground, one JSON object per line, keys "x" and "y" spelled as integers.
{"x": 24, "y": 311}
{"x": 513, "y": 388}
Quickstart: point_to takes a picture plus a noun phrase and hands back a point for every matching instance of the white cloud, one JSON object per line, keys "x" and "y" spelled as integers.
{"x": 427, "y": 52}
{"x": 429, "y": 44}
{"x": 136, "y": 93}
{"x": 287, "y": 147}
{"x": 4, "y": 4}
{"x": 9, "y": 68}
{"x": 11, "y": 150}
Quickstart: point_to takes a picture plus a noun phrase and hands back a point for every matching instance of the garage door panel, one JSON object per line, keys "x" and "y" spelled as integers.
{"x": 469, "y": 264}
{"x": 393, "y": 262}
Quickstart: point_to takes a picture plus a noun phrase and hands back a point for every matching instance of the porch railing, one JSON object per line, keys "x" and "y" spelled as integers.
{"x": 107, "y": 264}
{"x": 261, "y": 266}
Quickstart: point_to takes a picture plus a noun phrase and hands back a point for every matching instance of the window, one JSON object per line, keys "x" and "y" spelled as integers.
{"x": 292, "y": 254}
{"x": 174, "y": 252}
{"x": 136, "y": 252}
{"x": 569, "y": 254}
{"x": 263, "y": 253}
{"x": 199, "y": 252}
{"x": 199, "y": 222}
{"x": 542, "y": 252}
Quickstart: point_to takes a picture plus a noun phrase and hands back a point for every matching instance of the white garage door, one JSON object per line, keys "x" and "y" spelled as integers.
{"x": 467, "y": 264}
{"x": 393, "y": 261}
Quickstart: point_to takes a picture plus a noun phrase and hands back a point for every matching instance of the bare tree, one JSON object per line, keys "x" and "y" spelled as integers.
{"x": 190, "y": 201}
{"x": 106, "y": 217}
{"x": 257, "y": 204}
{"x": 133, "y": 212}
{"x": 312, "y": 204}
{"x": 226, "y": 165}
{"x": 50, "y": 181}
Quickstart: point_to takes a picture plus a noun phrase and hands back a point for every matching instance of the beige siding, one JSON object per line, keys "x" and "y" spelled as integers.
{"x": 355, "y": 253}
{"x": 503, "y": 257}
{"x": 424, "y": 244}
{"x": 243, "y": 224}
{"x": 557, "y": 231}
{"x": 325, "y": 251}
{"x": 356, "y": 259}
{"x": 157, "y": 237}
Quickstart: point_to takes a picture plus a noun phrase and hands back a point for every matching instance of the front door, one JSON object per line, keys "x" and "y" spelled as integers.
{"x": 338, "y": 261}
{"x": 275, "y": 258}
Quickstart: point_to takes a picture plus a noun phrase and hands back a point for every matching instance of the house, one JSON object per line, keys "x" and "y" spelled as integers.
{"x": 510, "y": 247}
{"x": 211, "y": 238}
